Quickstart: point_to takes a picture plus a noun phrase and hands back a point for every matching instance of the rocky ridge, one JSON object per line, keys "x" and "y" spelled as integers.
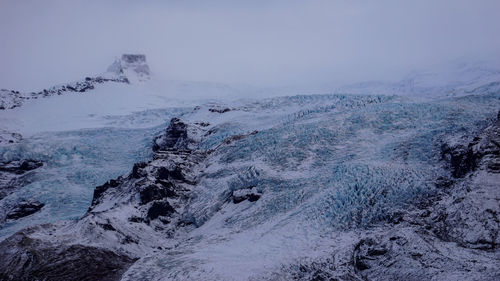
{"x": 129, "y": 67}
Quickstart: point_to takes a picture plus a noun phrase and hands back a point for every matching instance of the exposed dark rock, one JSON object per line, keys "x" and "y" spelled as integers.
{"x": 234, "y": 138}
{"x": 219, "y": 109}
{"x": 131, "y": 63}
{"x": 466, "y": 158}
{"x": 149, "y": 184}
{"x": 443, "y": 183}
{"x": 250, "y": 193}
{"x": 99, "y": 190}
{"x": 137, "y": 170}
{"x": 16, "y": 174}
{"x": 28, "y": 165}
{"x": 24, "y": 209}
{"x": 166, "y": 174}
{"x": 20, "y": 167}
{"x": 164, "y": 183}
{"x": 203, "y": 124}
{"x": 133, "y": 58}
{"x": 155, "y": 192}
{"x": 107, "y": 226}
{"x": 325, "y": 269}
{"x": 175, "y": 137}
{"x": 365, "y": 250}
{"x": 25, "y": 258}
{"x": 494, "y": 167}
{"x": 395, "y": 217}
{"x": 461, "y": 158}
{"x": 162, "y": 208}
{"x": 136, "y": 219}
{"x": 471, "y": 216}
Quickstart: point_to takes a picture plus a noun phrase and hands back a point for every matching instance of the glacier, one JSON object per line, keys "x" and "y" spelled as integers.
{"x": 345, "y": 163}
{"x": 340, "y": 186}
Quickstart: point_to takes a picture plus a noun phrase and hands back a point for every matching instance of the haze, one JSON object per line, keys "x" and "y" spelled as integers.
{"x": 264, "y": 43}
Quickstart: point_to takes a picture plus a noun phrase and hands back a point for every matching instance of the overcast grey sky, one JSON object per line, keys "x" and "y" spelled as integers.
{"x": 271, "y": 43}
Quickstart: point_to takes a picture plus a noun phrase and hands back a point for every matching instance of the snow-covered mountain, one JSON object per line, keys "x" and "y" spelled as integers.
{"x": 130, "y": 67}
{"x": 367, "y": 186}
{"x": 454, "y": 79}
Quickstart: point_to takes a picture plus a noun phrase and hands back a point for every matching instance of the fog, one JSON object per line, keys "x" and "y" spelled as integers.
{"x": 264, "y": 43}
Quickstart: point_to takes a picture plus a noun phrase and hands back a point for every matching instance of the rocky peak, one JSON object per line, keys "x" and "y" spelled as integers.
{"x": 178, "y": 136}
{"x": 131, "y": 66}
{"x": 134, "y": 59}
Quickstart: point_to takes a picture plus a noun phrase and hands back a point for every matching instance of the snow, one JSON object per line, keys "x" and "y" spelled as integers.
{"x": 326, "y": 167}
{"x": 314, "y": 177}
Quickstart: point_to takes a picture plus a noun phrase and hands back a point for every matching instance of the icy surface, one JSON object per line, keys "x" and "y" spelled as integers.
{"x": 74, "y": 163}
{"x": 264, "y": 188}
{"x": 323, "y": 164}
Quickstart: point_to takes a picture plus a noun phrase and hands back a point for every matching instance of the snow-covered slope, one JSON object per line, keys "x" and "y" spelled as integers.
{"x": 304, "y": 187}
{"x": 293, "y": 187}
{"x": 454, "y": 79}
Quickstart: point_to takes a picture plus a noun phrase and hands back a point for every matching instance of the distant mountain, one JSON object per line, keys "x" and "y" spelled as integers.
{"x": 130, "y": 68}
{"x": 456, "y": 79}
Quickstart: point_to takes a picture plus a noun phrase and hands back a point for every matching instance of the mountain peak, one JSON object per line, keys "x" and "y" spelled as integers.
{"x": 131, "y": 66}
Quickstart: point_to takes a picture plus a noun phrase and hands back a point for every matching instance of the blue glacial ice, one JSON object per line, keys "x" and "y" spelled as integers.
{"x": 77, "y": 161}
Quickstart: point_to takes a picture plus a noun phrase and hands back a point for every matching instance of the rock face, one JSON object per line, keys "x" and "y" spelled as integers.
{"x": 471, "y": 215}
{"x": 23, "y": 209}
{"x": 251, "y": 194}
{"x": 25, "y": 258}
{"x": 132, "y": 66}
{"x": 16, "y": 174}
{"x": 159, "y": 186}
{"x": 175, "y": 137}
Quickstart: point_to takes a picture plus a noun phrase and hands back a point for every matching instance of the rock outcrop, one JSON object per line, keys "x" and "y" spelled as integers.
{"x": 26, "y": 258}
{"x": 470, "y": 215}
{"x": 24, "y": 209}
{"x": 132, "y": 66}
{"x": 16, "y": 174}
{"x": 13, "y": 176}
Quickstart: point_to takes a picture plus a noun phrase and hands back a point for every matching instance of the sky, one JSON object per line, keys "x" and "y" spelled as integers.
{"x": 263, "y": 43}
